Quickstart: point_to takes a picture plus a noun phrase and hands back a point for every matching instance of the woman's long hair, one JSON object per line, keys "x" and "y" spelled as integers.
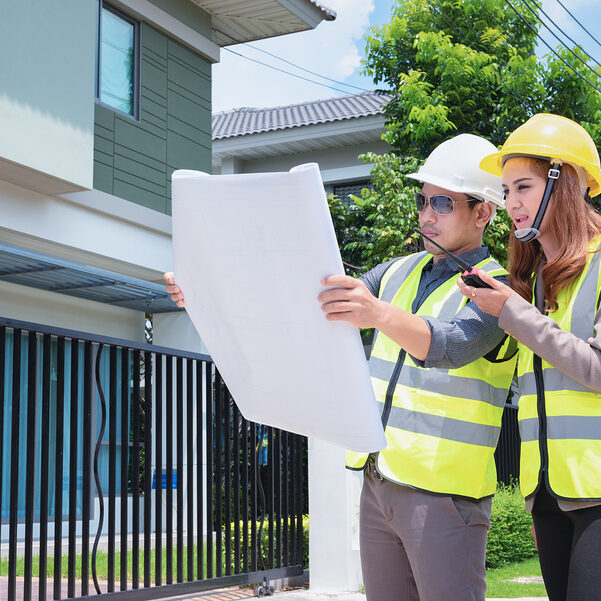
{"x": 576, "y": 224}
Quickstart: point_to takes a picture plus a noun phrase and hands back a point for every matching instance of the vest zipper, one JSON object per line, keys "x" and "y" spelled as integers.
{"x": 391, "y": 386}
{"x": 542, "y": 415}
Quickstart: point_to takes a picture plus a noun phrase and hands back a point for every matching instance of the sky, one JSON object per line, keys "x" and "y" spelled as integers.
{"x": 334, "y": 50}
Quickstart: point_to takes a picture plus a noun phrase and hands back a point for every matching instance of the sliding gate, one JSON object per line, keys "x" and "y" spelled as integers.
{"x": 127, "y": 471}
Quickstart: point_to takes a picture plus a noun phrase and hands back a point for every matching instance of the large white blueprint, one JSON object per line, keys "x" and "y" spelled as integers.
{"x": 249, "y": 251}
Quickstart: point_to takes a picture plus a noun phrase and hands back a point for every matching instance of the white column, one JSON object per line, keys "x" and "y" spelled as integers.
{"x": 334, "y": 561}
{"x": 231, "y": 165}
{"x": 175, "y": 330}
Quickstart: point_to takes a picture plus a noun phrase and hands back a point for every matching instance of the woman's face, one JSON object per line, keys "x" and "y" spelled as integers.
{"x": 523, "y": 192}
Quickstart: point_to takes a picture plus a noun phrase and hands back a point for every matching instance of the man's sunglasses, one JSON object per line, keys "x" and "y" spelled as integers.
{"x": 440, "y": 203}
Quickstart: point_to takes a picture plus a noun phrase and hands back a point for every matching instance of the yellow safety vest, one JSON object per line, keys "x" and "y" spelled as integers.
{"x": 442, "y": 425}
{"x": 559, "y": 419}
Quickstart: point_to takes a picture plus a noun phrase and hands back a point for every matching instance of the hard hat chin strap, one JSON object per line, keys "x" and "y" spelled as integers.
{"x": 527, "y": 234}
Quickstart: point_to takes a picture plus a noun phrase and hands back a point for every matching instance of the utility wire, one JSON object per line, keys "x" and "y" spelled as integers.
{"x": 325, "y": 85}
{"x": 571, "y": 39}
{"x": 579, "y": 23}
{"x": 557, "y": 38}
{"x": 306, "y": 70}
{"x": 294, "y": 74}
{"x": 551, "y": 49}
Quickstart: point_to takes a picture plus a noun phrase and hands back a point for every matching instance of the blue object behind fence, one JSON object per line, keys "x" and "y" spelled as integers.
{"x": 164, "y": 480}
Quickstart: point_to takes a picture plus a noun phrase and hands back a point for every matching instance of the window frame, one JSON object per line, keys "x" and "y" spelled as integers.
{"x": 136, "y": 62}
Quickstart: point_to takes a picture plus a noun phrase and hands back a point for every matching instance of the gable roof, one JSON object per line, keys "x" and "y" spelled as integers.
{"x": 247, "y": 121}
{"x": 235, "y": 21}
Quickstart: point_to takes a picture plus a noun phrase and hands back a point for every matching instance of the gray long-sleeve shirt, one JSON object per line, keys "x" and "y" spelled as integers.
{"x": 470, "y": 335}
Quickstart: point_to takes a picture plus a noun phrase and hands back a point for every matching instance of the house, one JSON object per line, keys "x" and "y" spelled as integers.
{"x": 99, "y": 103}
{"x": 332, "y": 133}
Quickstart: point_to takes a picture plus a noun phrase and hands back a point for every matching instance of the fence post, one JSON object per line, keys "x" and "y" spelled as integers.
{"x": 334, "y": 561}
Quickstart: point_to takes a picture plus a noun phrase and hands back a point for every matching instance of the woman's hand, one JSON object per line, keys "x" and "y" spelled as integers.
{"x": 489, "y": 300}
{"x": 177, "y": 296}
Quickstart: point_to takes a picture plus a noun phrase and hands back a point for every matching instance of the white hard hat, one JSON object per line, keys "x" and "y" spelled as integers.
{"x": 455, "y": 166}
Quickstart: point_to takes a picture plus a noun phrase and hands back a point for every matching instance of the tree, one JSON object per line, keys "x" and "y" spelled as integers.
{"x": 469, "y": 66}
{"x": 454, "y": 66}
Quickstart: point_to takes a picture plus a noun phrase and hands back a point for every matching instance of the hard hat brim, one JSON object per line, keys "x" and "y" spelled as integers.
{"x": 493, "y": 163}
{"x": 486, "y": 194}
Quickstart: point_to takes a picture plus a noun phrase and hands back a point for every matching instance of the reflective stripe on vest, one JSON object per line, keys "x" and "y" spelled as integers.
{"x": 562, "y": 427}
{"x": 554, "y": 381}
{"x": 443, "y": 424}
{"x": 434, "y": 381}
{"x": 444, "y": 427}
{"x": 572, "y": 412}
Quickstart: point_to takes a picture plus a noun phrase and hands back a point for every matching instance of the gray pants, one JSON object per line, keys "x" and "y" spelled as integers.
{"x": 417, "y": 546}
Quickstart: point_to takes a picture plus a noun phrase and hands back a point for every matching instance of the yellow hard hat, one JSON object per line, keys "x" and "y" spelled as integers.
{"x": 558, "y": 139}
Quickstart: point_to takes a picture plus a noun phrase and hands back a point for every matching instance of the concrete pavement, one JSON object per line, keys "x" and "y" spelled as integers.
{"x": 302, "y": 594}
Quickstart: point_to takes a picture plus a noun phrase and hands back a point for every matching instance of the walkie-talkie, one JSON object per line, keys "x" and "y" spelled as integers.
{"x": 468, "y": 275}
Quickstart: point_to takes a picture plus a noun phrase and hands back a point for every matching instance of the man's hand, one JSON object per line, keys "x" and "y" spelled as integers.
{"x": 489, "y": 300}
{"x": 350, "y": 300}
{"x": 177, "y": 296}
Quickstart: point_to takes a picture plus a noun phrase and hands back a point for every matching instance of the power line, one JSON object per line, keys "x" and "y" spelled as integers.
{"x": 306, "y": 70}
{"x": 254, "y": 60}
{"x": 569, "y": 38}
{"x": 287, "y": 72}
{"x": 551, "y": 49}
{"x": 579, "y": 23}
{"x": 556, "y": 37}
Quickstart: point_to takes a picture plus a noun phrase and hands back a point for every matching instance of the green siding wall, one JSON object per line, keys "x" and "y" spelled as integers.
{"x": 134, "y": 159}
{"x": 47, "y": 87}
{"x": 189, "y": 13}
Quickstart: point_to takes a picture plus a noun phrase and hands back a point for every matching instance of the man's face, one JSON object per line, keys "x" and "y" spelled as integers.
{"x": 458, "y": 232}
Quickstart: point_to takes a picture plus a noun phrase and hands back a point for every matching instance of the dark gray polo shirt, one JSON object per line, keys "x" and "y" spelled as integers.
{"x": 470, "y": 335}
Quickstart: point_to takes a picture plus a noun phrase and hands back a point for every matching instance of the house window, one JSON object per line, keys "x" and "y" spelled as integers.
{"x": 117, "y": 53}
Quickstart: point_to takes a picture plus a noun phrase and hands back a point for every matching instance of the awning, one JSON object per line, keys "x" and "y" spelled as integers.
{"x": 45, "y": 272}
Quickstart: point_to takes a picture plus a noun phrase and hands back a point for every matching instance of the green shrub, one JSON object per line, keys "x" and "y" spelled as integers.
{"x": 509, "y": 538}
{"x": 265, "y": 539}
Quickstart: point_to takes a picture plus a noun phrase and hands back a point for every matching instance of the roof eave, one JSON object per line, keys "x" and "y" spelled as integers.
{"x": 274, "y": 142}
{"x": 232, "y": 24}
{"x": 310, "y": 12}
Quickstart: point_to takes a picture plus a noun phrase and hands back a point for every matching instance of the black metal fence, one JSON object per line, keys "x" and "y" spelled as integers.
{"x": 126, "y": 470}
{"x": 507, "y": 454}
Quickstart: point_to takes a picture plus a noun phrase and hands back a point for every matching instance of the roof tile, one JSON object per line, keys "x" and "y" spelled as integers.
{"x": 244, "y": 121}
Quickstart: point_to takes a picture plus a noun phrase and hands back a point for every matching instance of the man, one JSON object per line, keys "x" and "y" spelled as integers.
{"x": 426, "y": 498}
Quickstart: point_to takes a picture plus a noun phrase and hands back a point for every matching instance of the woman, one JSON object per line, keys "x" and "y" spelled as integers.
{"x": 549, "y": 166}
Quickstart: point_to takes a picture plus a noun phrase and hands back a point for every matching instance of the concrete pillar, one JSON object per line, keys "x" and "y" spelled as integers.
{"x": 334, "y": 561}
{"x": 231, "y": 165}
{"x": 175, "y": 330}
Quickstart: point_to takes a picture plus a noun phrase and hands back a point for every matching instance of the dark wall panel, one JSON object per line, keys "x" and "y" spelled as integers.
{"x": 134, "y": 159}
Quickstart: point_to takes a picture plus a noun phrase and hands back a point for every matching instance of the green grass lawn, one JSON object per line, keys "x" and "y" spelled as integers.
{"x": 497, "y": 584}
{"x": 102, "y": 565}
{"x": 496, "y": 578}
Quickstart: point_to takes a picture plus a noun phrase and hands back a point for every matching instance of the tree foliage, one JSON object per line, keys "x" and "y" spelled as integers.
{"x": 469, "y": 66}
{"x": 453, "y": 66}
